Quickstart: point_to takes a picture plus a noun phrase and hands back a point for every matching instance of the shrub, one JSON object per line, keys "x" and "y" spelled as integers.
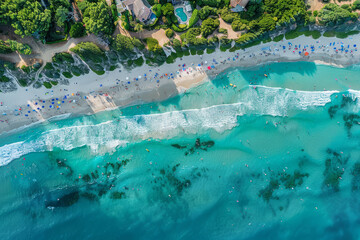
{"x": 77, "y": 30}
{"x": 278, "y": 38}
{"x": 67, "y": 74}
{"x": 63, "y": 57}
{"x": 89, "y": 51}
{"x": 194, "y": 18}
{"x": 208, "y": 26}
{"x": 169, "y": 33}
{"x": 47, "y": 85}
{"x": 153, "y": 44}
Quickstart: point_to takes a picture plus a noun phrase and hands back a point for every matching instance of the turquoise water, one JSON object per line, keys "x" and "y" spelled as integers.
{"x": 181, "y": 14}
{"x": 275, "y": 157}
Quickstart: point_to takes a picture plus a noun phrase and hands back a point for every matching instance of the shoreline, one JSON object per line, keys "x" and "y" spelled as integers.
{"x": 90, "y": 94}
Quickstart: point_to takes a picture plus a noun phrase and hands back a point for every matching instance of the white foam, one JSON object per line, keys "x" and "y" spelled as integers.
{"x": 108, "y": 135}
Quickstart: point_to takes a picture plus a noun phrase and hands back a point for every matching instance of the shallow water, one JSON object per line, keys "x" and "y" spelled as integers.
{"x": 275, "y": 157}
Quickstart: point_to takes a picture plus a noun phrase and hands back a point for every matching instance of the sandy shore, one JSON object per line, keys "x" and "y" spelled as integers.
{"x": 92, "y": 93}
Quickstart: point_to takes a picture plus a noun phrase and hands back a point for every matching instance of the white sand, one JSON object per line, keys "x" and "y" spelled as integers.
{"x": 92, "y": 93}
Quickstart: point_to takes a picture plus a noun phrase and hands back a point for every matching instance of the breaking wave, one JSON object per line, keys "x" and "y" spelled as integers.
{"x": 255, "y": 100}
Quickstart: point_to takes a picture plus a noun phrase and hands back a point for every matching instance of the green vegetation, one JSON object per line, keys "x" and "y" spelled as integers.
{"x": 194, "y": 18}
{"x": 88, "y": 51}
{"x": 63, "y": 57}
{"x": 77, "y": 30}
{"x": 67, "y": 74}
{"x": 279, "y": 38}
{"x": 5, "y": 48}
{"x": 169, "y": 33}
{"x": 97, "y": 18}
{"x": 208, "y": 26}
{"x": 47, "y": 85}
{"x": 333, "y": 14}
{"x": 27, "y": 17}
{"x": 153, "y": 44}
{"x": 18, "y": 47}
{"x": 207, "y": 11}
{"x": 339, "y": 34}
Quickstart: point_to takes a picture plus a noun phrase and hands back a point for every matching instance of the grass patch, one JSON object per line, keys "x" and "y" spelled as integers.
{"x": 112, "y": 67}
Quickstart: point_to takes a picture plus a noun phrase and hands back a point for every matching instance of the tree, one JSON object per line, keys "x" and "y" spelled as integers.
{"x": 97, "y": 18}
{"x": 139, "y": 28}
{"x": 19, "y": 47}
{"x": 333, "y": 14}
{"x": 77, "y": 30}
{"x": 208, "y": 26}
{"x": 267, "y": 23}
{"x": 123, "y": 43}
{"x": 169, "y": 33}
{"x": 157, "y": 10}
{"x": 206, "y": 11}
{"x": 4, "y": 48}
{"x": 61, "y": 16}
{"x": 27, "y": 17}
{"x": 167, "y": 9}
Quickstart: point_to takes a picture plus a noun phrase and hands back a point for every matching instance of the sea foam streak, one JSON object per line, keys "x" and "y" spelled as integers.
{"x": 253, "y": 100}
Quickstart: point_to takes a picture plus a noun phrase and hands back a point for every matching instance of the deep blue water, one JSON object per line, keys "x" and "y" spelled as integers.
{"x": 275, "y": 157}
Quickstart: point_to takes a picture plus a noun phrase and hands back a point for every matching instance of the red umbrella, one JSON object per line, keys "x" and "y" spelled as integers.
{"x": 209, "y": 67}
{"x": 306, "y": 54}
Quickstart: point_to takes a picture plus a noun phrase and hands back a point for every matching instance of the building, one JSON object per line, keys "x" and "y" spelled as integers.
{"x": 238, "y": 5}
{"x": 141, "y": 9}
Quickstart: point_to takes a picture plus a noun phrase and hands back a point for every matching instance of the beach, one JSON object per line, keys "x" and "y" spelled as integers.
{"x": 91, "y": 93}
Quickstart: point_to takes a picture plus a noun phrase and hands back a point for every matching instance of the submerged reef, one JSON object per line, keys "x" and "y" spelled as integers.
{"x": 334, "y": 169}
{"x": 65, "y": 201}
{"x": 198, "y": 145}
{"x": 96, "y": 185}
{"x": 355, "y": 182}
{"x": 288, "y": 181}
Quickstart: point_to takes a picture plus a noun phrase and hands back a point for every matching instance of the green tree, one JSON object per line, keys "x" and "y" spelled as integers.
{"x": 123, "y": 43}
{"x": 61, "y": 16}
{"x": 97, "y": 18}
{"x": 167, "y": 9}
{"x": 19, "y": 47}
{"x": 77, "y": 30}
{"x": 267, "y": 23}
{"x": 27, "y": 17}
{"x": 4, "y": 48}
{"x": 139, "y": 28}
{"x": 157, "y": 10}
{"x": 208, "y": 26}
{"x": 169, "y": 33}
{"x": 332, "y": 14}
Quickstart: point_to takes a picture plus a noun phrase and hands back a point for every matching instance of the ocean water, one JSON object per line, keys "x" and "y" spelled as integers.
{"x": 275, "y": 157}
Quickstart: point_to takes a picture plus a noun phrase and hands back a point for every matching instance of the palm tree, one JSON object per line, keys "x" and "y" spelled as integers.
{"x": 139, "y": 28}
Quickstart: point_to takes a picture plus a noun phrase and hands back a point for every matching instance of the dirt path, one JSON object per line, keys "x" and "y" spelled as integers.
{"x": 43, "y": 52}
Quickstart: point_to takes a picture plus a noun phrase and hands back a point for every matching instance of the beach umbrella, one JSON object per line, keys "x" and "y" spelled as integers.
{"x": 306, "y": 54}
{"x": 199, "y": 65}
{"x": 209, "y": 67}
